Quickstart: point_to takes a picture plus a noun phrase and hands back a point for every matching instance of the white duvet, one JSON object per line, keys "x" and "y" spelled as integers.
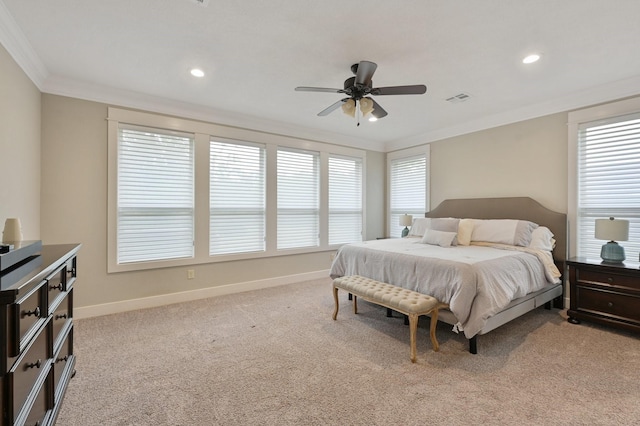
{"x": 476, "y": 281}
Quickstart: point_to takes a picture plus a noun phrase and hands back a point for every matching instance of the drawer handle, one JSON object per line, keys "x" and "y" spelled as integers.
{"x": 61, "y": 316}
{"x": 64, "y": 358}
{"x": 35, "y": 312}
{"x": 610, "y": 304}
{"x": 36, "y": 364}
{"x": 610, "y": 280}
{"x": 56, "y": 287}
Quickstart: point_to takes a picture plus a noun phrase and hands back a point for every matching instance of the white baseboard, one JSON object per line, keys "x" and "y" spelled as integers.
{"x": 186, "y": 296}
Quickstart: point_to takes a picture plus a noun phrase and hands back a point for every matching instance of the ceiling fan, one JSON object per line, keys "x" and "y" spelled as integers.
{"x": 358, "y": 89}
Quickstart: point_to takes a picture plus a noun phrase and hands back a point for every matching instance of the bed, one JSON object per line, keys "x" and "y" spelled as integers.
{"x": 486, "y": 283}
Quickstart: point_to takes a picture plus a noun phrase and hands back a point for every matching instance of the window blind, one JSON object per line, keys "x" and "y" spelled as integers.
{"x": 237, "y": 198}
{"x": 608, "y": 180}
{"x": 408, "y": 190}
{"x": 155, "y": 213}
{"x": 345, "y": 200}
{"x": 298, "y": 199}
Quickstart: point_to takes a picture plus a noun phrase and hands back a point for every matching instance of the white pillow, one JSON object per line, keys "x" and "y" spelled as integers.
{"x": 446, "y": 224}
{"x": 504, "y": 231}
{"x": 419, "y": 226}
{"x": 439, "y": 238}
{"x": 542, "y": 239}
{"x": 465, "y": 229}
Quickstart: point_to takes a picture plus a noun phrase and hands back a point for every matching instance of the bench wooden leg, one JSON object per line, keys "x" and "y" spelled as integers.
{"x": 432, "y": 330}
{"x": 355, "y": 304}
{"x": 335, "y": 298}
{"x": 413, "y": 327}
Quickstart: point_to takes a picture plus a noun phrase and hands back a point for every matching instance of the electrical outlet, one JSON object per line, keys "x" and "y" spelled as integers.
{"x": 191, "y": 274}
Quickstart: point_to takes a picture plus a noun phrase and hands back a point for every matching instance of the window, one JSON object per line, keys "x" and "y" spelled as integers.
{"x": 184, "y": 192}
{"x": 298, "y": 198}
{"x": 237, "y": 197}
{"x": 345, "y": 200}
{"x": 407, "y": 189}
{"x": 608, "y": 180}
{"x": 155, "y": 207}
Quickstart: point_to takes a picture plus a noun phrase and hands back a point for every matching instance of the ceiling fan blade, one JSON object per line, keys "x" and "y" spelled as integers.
{"x": 318, "y": 89}
{"x": 378, "y": 111}
{"x": 365, "y": 72}
{"x": 417, "y": 89}
{"x": 332, "y": 108}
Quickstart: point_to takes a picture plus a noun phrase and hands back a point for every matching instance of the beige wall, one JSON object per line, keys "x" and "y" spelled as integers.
{"x": 528, "y": 158}
{"x": 74, "y": 200}
{"x": 19, "y": 147}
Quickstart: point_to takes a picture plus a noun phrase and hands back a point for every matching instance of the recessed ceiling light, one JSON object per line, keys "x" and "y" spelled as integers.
{"x": 531, "y": 59}
{"x": 196, "y": 72}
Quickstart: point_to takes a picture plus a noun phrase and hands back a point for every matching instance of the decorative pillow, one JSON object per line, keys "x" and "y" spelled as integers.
{"x": 465, "y": 229}
{"x": 447, "y": 224}
{"x": 419, "y": 226}
{"x": 542, "y": 239}
{"x": 439, "y": 238}
{"x": 504, "y": 231}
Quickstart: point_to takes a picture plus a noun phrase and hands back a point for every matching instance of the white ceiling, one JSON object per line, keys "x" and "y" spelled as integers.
{"x": 138, "y": 53}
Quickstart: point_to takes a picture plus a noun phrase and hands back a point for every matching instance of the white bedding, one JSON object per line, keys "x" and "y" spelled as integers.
{"x": 476, "y": 281}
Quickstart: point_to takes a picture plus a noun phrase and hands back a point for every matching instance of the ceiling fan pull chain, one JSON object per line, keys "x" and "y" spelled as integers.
{"x": 358, "y": 113}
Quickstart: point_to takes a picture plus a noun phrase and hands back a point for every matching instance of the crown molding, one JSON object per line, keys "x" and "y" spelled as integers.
{"x": 16, "y": 43}
{"x": 129, "y": 99}
{"x": 595, "y": 95}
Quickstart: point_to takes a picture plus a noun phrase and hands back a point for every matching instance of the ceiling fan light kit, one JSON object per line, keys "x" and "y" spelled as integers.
{"x": 358, "y": 88}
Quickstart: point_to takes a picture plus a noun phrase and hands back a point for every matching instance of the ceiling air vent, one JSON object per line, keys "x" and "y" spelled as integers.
{"x": 460, "y": 97}
{"x": 203, "y": 3}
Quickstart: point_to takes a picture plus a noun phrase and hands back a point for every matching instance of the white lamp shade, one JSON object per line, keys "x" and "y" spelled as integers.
{"x": 612, "y": 229}
{"x": 12, "y": 231}
{"x": 349, "y": 107}
{"x": 406, "y": 220}
{"x": 366, "y": 106}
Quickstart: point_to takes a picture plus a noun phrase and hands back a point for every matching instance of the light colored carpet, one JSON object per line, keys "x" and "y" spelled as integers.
{"x": 275, "y": 357}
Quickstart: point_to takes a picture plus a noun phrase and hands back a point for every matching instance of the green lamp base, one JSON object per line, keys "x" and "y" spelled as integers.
{"x": 612, "y": 252}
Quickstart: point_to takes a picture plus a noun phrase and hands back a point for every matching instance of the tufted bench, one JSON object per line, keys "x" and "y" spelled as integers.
{"x": 410, "y": 303}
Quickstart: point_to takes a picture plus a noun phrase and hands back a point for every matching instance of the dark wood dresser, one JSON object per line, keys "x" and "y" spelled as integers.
{"x": 605, "y": 293}
{"x": 36, "y": 324}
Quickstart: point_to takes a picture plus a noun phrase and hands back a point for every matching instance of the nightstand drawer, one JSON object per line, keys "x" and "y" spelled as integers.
{"x": 608, "y": 303}
{"x": 617, "y": 280}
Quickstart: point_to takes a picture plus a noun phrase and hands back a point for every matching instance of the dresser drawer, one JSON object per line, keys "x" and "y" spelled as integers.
{"x": 609, "y": 303}
{"x": 63, "y": 365}
{"x": 587, "y": 275}
{"x": 40, "y": 409}
{"x": 57, "y": 284}
{"x": 61, "y": 316}
{"x": 28, "y": 369}
{"x": 25, "y": 317}
{"x": 72, "y": 271}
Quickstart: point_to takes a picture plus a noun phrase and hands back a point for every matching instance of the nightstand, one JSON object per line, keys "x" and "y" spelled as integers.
{"x": 605, "y": 293}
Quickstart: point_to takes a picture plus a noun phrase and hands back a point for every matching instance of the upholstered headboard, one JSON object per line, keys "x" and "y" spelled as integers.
{"x": 523, "y": 208}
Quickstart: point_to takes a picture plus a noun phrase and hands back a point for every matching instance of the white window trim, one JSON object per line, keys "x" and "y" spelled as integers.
{"x": 407, "y": 153}
{"x": 600, "y": 112}
{"x": 203, "y": 133}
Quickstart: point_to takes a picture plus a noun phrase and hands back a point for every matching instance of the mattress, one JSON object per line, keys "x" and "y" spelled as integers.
{"x": 477, "y": 281}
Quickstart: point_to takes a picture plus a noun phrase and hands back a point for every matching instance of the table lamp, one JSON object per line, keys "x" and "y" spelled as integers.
{"x": 406, "y": 220}
{"x": 613, "y": 230}
{"x": 12, "y": 231}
